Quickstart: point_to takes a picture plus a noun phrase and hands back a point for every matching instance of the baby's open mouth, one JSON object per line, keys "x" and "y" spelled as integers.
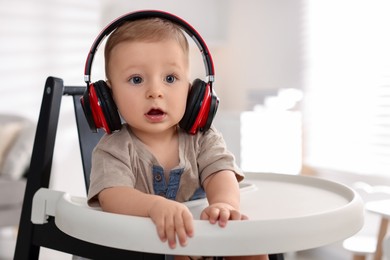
{"x": 155, "y": 112}
{"x": 155, "y": 115}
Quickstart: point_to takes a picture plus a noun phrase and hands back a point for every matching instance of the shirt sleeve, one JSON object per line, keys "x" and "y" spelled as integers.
{"x": 110, "y": 167}
{"x": 214, "y": 156}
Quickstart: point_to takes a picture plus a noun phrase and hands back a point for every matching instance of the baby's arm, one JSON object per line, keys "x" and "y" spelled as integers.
{"x": 223, "y": 195}
{"x": 170, "y": 217}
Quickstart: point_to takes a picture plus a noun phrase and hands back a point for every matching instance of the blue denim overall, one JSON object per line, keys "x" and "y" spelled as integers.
{"x": 169, "y": 190}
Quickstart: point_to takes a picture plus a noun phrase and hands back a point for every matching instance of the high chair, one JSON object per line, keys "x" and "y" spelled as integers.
{"x": 284, "y": 212}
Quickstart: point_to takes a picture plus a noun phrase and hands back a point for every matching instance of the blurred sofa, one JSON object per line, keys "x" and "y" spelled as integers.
{"x": 16, "y": 143}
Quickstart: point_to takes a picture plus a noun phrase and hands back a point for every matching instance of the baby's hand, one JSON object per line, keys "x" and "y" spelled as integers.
{"x": 172, "y": 219}
{"x": 221, "y": 212}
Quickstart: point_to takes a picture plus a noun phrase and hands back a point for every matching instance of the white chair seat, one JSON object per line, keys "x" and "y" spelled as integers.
{"x": 360, "y": 245}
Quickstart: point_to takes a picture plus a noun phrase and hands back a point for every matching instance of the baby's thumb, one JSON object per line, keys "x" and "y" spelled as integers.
{"x": 204, "y": 216}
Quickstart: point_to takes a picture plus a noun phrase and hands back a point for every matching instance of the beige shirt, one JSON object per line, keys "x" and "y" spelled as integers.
{"x": 121, "y": 159}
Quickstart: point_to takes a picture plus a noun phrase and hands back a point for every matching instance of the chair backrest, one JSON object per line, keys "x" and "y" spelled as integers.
{"x": 31, "y": 237}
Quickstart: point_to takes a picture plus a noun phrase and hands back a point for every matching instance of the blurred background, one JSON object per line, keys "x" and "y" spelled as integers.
{"x": 304, "y": 85}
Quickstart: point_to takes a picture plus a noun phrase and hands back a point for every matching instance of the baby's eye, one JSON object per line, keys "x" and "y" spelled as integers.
{"x": 170, "y": 79}
{"x": 136, "y": 80}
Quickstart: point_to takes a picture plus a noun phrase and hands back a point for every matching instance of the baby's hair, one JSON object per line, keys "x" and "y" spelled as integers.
{"x": 147, "y": 30}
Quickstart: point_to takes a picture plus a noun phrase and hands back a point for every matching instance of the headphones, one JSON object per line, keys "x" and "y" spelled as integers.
{"x": 202, "y": 103}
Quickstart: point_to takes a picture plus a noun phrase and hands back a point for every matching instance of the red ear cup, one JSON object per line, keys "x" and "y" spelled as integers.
{"x": 202, "y": 104}
{"x": 194, "y": 101}
{"x": 100, "y": 109}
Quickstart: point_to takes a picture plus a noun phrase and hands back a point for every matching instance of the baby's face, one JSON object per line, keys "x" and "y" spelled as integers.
{"x": 150, "y": 84}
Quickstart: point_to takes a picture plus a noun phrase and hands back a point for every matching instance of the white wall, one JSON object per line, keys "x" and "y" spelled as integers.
{"x": 263, "y": 51}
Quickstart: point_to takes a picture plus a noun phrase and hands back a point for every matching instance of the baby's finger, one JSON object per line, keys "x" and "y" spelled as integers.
{"x": 170, "y": 232}
{"x": 213, "y": 215}
{"x": 204, "y": 215}
{"x": 235, "y": 215}
{"x": 160, "y": 226}
{"x": 181, "y": 231}
{"x": 188, "y": 224}
{"x": 244, "y": 217}
{"x": 224, "y": 215}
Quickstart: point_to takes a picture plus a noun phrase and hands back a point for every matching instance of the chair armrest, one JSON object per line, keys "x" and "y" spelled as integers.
{"x": 44, "y": 205}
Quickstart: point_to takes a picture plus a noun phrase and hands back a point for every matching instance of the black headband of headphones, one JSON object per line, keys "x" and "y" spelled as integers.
{"x": 207, "y": 59}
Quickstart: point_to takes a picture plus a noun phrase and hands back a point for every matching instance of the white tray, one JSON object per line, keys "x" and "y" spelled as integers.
{"x": 287, "y": 213}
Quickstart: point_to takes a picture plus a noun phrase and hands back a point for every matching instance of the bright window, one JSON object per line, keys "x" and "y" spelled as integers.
{"x": 347, "y": 86}
{"x": 42, "y": 38}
